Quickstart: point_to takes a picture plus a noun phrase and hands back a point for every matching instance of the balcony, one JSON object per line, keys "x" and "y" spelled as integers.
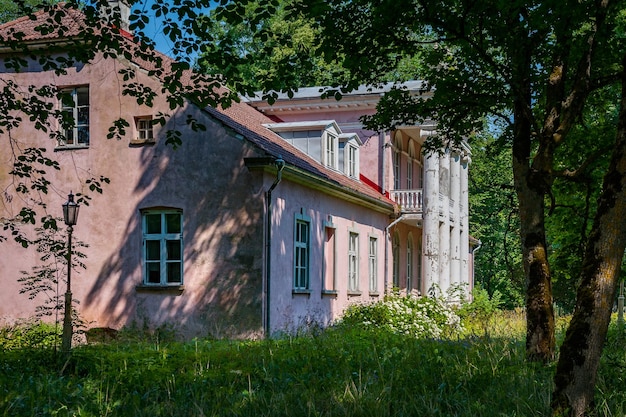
{"x": 410, "y": 201}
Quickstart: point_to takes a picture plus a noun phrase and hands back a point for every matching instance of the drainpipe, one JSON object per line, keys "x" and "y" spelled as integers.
{"x": 393, "y": 223}
{"x": 476, "y": 248}
{"x": 280, "y": 165}
{"x": 383, "y": 185}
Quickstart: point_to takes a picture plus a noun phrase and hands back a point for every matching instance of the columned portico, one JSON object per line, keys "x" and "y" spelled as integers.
{"x": 464, "y": 213}
{"x": 455, "y": 232}
{"x": 444, "y": 222}
{"x": 430, "y": 243}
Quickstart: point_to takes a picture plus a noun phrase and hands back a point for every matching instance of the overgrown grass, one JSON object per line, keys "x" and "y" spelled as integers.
{"x": 343, "y": 371}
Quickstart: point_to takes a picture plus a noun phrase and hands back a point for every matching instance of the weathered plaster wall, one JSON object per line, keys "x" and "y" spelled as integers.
{"x": 290, "y": 310}
{"x": 205, "y": 177}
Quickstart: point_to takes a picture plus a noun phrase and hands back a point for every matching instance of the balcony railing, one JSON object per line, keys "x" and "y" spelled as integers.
{"x": 410, "y": 201}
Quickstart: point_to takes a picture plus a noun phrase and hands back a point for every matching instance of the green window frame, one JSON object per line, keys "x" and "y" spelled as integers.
{"x": 162, "y": 247}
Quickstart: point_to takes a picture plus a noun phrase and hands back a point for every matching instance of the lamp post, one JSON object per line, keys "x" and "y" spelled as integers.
{"x": 70, "y": 215}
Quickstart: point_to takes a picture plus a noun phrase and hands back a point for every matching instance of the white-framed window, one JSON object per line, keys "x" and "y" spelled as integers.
{"x": 409, "y": 263}
{"x": 145, "y": 128}
{"x": 302, "y": 239}
{"x": 396, "y": 260}
{"x": 353, "y": 261}
{"x": 331, "y": 143}
{"x": 162, "y": 247}
{"x": 353, "y": 166}
{"x": 418, "y": 282}
{"x": 74, "y": 105}
{"x": 409, "y": 167}
{"x": 373, "y": 264}
{"x": 397, "y": 153}
{"x": 330, "y": 258}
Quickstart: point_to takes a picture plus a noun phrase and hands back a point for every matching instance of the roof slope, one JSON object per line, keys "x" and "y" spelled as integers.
{"x": 240, "y": 117}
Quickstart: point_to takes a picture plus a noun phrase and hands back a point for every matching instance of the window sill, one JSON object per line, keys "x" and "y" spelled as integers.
{"x": 70, "y": 147}
{"x": 306, "y": 292}
{"x": 354, "y": 293}
{"x": 374, "y": 294}
{"x": 168, "y": 289}
{"x": 330, "y": 293}
{"x": 141, "y": 142}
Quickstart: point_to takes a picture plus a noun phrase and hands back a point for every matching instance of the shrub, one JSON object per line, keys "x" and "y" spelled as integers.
{"x": 482, "y": 308}
{"x": 421, "y": 317}
{"x": 30, "y": 334}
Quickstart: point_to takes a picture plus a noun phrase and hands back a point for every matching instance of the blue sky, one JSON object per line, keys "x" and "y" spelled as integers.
{"x": 154, "y": 28}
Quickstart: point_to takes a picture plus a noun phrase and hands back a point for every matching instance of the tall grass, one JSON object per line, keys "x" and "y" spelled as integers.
{"x": 342, "y": 371}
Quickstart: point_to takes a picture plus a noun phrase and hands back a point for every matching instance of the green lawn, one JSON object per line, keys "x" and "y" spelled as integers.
{"x": 337, "y": 372}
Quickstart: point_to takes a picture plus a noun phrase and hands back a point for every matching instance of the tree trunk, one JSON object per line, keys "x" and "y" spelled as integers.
{"x": 532, "y": 184}
{"x": 580, "y": 354}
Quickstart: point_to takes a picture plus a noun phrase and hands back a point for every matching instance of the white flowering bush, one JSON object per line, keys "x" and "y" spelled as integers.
{"x": 420, "y": 317}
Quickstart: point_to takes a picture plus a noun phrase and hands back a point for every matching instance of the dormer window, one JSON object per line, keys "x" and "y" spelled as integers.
{"x": 330, "y": 150}
{"x": 324, "y": 141}
{"x": 352, "y": 167}
{"x": 349, "y": 144}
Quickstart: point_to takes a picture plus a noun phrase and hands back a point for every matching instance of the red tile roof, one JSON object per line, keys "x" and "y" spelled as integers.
{"x": 240, "y": 117}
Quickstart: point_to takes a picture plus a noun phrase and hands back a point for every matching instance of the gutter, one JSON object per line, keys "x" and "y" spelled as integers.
{"x": 280, "y": 165}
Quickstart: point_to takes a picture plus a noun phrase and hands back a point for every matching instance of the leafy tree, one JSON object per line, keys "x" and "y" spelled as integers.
{"x": 10, "y": 9}
{"x": 495, "y": 221}
{"x": 532, "y": 65}
{"x": 259, "y": 60}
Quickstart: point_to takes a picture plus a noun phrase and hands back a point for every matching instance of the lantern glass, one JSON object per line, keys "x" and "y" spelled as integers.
{"x": 70, "y": 211}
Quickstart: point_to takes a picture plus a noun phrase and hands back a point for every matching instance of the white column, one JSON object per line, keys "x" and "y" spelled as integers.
{"x": 430, "y": 230}
{"x": 464, "y": 212}
{"x": 444, "y": 224}
{"x": 455, "y": 238}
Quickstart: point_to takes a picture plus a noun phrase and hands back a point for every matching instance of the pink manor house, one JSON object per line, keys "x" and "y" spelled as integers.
{"x": 272, "y": 218}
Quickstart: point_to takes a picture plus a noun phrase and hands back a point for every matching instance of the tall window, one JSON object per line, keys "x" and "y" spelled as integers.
{"x": 409, "y": 167}
{"x": 330, "y": 150}
{"x": 409, "y": 263}
{"x": 330, "y": 258}
{"x": 396, "y": 161}
{"x": 373, "y": 264}
{"x": 418, "y": 283}
{"x": 163, "y": 247}
{"x": 75, "y": 109}
{"x": 352, "y": 162}
{"x": 396, "y": 260}
{"x": 353, "y": 262}
{"x": 301, "y": 253}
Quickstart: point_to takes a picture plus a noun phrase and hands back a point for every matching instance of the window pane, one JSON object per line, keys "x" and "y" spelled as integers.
{"x": 153, "y": 272}
{"x": 172, "y": 223}
{"x": 83, "y": 96}
{"x": 83, "y": 115}
{"x": 153, "y": 250}
{"x": 83, "y": 135}
{"x": 173, "y": 250}
{"x": 153, "y": 223}
{"x": 173, "y": 272}
{"x": 69, "y": 136}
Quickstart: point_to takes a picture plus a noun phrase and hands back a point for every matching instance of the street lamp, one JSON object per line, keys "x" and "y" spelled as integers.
{"x": 70, "y": 215}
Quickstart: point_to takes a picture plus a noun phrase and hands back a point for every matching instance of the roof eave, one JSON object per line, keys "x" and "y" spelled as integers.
{"x": 309, "y": 180}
